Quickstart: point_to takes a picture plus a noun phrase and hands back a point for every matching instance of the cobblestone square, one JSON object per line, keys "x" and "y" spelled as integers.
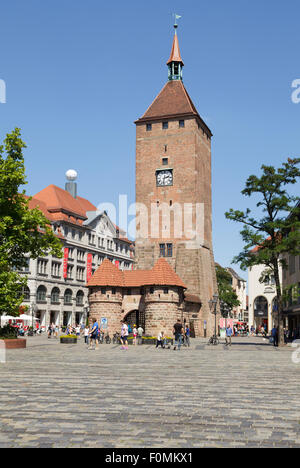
{"x": 55, "y": 395}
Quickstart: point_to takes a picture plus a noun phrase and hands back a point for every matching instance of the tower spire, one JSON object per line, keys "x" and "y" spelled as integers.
{"x": 175, "y": 63}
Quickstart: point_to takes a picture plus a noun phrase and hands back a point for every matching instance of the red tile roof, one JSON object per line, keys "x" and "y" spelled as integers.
{"x": 58, "y": 204}
{"x": 59, "y": 200}
{"x": 172, "y": 102}
{"x": 161, "y": 274}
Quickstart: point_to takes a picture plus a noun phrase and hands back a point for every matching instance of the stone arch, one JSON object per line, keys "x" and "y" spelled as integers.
{"x": 261, "y": 311}
{"x": 135, "y": 317}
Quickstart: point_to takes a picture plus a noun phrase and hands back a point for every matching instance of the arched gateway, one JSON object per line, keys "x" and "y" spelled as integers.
{"x": 136, "y": 317}
{"x": 157, "y": 293}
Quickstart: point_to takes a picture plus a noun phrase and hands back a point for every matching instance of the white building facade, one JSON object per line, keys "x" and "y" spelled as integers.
{"x": 262, "y": 297}
{"x": 56, "y": 291}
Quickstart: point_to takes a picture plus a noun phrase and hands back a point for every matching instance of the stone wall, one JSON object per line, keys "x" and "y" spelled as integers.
{"x": 106, "y": 305}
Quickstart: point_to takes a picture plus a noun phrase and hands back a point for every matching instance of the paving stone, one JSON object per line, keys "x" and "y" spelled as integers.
{"x": 54, "y": 395}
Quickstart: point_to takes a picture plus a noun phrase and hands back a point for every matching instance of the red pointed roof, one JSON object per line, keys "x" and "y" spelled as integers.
{"x": 107, "y": 275}
{"x": 162, "y": 274}
{"x": 175, "y": 52}
{"x": 172, "y": 102}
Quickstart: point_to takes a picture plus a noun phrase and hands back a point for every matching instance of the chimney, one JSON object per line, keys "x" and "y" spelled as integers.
{"x": 71, "y": 185}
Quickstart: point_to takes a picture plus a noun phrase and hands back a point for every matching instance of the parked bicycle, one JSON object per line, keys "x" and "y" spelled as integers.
{"x": 117, "y": 338}
{"x": 213, "y": 341}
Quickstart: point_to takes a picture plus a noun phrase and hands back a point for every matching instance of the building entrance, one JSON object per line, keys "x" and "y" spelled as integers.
{"x": 261, "y": 312}
{"x": 54, "y": 317}
{"x": 67, "y": 319}
{"x": 136, "y": 317}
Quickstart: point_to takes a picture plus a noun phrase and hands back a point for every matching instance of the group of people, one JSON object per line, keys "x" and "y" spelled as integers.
{"x": 181, "y": 335}
{"x": 53, "y": 330}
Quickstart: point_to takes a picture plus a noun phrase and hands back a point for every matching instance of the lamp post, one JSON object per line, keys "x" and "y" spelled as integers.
{"x": 213, "y": 308}
{"x": 86, "y": 309}
{"x": 32, "y": 306}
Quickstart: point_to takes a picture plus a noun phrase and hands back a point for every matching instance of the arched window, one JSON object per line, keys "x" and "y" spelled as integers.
{"x": 261, "y": 307}
{"x": 41, "y": 294}
{"x": 79, "y": 298}
{"x": 68, "y": 296}
{"x": 55, "y": 296}
{"x": 25, "y": 293}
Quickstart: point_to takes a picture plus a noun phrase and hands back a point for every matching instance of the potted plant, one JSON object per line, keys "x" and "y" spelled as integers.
{"x": 68, "y": 339}
{"x": 9, "y": 336}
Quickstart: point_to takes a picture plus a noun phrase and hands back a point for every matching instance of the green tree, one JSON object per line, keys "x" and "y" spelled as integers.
{"x": 275, "y": 231}
{"x": 227, "y": 296}
{"x": 23, "y": 232}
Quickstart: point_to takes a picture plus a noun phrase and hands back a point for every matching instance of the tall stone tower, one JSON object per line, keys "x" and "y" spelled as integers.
{"x": 173, "y": 192}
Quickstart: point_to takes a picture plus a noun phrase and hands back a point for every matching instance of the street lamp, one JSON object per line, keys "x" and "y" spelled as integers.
{"x": 213, "y": 308}
{"x": 32, "y": 306}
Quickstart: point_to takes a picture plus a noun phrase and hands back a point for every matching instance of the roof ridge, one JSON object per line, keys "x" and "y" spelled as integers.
{"x": 154, "y": 100}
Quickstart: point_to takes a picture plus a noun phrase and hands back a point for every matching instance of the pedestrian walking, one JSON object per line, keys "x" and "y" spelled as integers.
{"x": 77, "y": 330}
{"x": 160, "y": 340}
{"x": 187, "y": 336}
{"x": 94, "y": 335}
{"x": 140, "y": 331}
{"x": 124, "y": 335}
{"x": 229, "y": 333}
{"x": 178, "y": 332}
{"x": 135, "y": 334}
{"x": 86, "y": 335}
{"x": 274, "y": 334}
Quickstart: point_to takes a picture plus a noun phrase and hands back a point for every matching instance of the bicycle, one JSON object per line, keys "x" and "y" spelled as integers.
{"x": 213, "y": 341}
{"x": 107, "y": 339}
{"x": 116, "y": 338}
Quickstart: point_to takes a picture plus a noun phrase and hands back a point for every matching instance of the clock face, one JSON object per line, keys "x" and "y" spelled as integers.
{"x": 164, "y": 178}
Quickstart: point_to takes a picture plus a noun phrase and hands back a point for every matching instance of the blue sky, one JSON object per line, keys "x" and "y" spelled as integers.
{"x": 79, "y": 73}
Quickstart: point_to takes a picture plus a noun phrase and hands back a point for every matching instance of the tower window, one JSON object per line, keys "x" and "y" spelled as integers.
{"x": 165, "y": 125}
{"x": 166, "y": 148}
{"x": 162, "y": 250}
{"x": 165, "y": 161}
{"x": 149, "y": 127}
{"x": 181, "y": 123}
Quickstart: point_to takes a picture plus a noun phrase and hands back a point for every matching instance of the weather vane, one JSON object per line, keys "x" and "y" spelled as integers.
{"x": 176, "y": 18}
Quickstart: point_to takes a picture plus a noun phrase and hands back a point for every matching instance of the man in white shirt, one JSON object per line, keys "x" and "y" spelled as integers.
{"x": 160, "y": 340}
{"x": 140, "y": 335}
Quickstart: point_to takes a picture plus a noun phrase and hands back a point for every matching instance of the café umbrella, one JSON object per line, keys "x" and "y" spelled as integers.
{"x": 26, "y": 318}
{"x": 7, "y": 317}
